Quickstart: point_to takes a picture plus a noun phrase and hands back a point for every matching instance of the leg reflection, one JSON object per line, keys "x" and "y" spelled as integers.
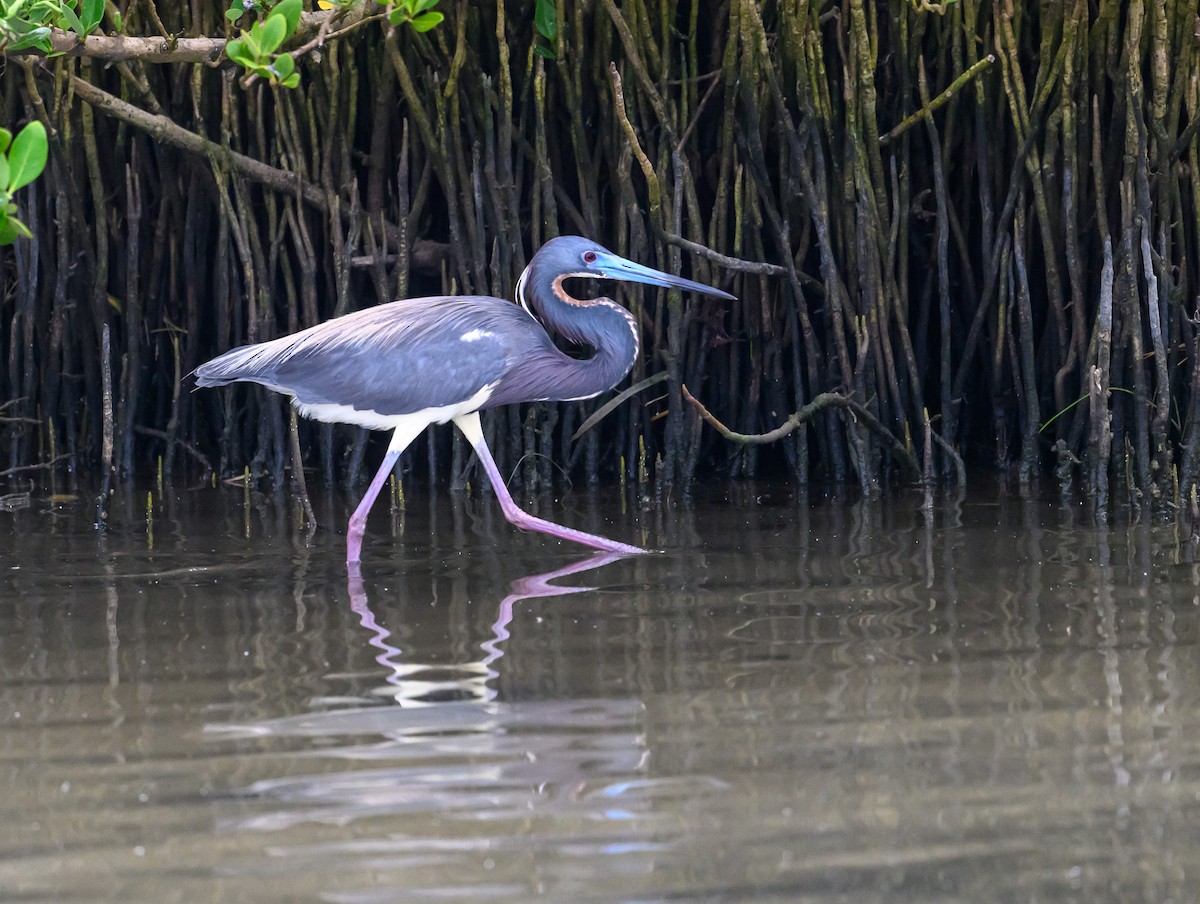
{"x": 475, "y": 677}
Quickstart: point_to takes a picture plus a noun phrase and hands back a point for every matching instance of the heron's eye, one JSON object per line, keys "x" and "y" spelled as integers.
{"x": 589, "y": 257}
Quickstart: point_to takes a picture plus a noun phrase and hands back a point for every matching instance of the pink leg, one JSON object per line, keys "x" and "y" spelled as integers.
{"x": 358, "y": 521}
{"x": 469, "y": 425}
{"x": 405, "y": 433}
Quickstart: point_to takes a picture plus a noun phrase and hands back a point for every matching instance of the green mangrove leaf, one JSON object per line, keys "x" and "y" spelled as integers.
{"x": 27, "y": 156}
{"x": 237, "y": 51}
{"x": 28, "y": 35}
{"x": 91, "y": 13}
{"x": 72, "y": 20}
{"x": 8, "y": 229}
{"x": 43, "y": 12}
{"x": 5, "y": 141}
{"x": 283, "y": 67}
{"x": 271, "y": 34}
{"x": 545, "y": 19}
{"x": 252, "y": 42}
{"x": 426, "y": 21}
{"x": 289, "y": 10}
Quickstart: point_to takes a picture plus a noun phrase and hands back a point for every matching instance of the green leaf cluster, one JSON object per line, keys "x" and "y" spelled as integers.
{"x": 83, "y": 22}
{"x": 22, "y": 160}
{"x": 257, "y": 49}
{"x": 26, "y": 24}
{"x": 419, "y": 14}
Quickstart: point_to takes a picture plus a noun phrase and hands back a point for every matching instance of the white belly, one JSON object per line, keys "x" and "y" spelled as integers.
{"x": 333, "y": 413}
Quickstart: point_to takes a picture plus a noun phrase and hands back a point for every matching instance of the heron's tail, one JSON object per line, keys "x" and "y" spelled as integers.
{"x": 252, "y": 363}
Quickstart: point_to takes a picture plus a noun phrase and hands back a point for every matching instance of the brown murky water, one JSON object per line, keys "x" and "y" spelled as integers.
{"x": 796, "y": 701}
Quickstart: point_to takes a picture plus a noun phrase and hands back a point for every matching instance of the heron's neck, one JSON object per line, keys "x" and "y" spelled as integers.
{"x": 597, "y": 323}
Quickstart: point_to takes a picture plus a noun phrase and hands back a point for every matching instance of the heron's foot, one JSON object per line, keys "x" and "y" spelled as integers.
{"x": 525, "y": 521}
{"x": 607, "y": 545}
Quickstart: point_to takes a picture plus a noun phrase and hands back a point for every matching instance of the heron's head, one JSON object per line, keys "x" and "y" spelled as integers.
{"x": 573, "y": 255}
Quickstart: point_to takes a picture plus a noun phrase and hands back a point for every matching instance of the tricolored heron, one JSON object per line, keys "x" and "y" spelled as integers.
{"x": 407, "y": 364}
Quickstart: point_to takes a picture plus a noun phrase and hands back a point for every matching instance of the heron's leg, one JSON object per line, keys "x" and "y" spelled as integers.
{"x": 403, "y": 435}
{"x": 473, "y": 431}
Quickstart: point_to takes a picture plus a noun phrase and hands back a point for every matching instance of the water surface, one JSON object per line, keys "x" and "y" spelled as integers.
{"x": 798, "y": 700}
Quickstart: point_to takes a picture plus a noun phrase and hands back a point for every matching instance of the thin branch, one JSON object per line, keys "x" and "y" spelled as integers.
{"x": 729, "y": 263}
{"x": 655, "y": 195}
{"x": 118, "y": 48}
{"x": 926, "y": 111}
{"x": 960, "y": 469}
{"x": 652, "y": 188}
{"x": 183, "y": 444}
{"x": 172, "y": 49}
{"x": 165, "y": 130}
{"x": 907, "y": 461}
{"x": 324, "y": 35}
{"x": 427, "y": 256}
{"x": 157, "y": 19}
{"x": 37, "y": 467}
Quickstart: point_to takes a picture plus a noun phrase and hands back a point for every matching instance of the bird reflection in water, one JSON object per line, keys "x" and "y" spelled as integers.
{"x": 410, "y": 682}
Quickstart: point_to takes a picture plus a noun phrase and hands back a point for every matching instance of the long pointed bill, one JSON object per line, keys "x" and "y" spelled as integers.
{"x": 613, "y": 267}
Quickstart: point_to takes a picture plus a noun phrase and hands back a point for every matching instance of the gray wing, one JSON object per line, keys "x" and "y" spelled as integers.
{"x": 393, "y": 359}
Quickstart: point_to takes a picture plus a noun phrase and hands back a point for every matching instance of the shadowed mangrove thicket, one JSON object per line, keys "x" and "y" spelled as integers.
{"x": 963, "y": 231}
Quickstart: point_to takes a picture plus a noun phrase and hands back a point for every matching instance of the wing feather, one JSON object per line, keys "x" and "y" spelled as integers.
{"x": 393, "y": 359}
